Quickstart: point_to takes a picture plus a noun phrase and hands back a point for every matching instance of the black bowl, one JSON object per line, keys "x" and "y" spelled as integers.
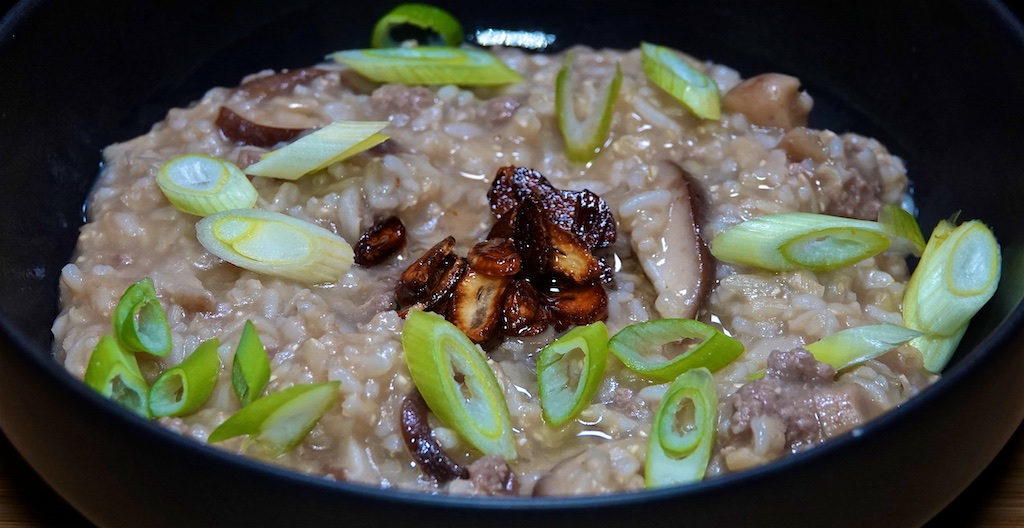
{"x": 942, "y": 83}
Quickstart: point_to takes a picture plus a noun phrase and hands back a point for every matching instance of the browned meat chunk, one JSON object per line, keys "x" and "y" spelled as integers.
{"x": 859, "y": 198}
{"x": 394, "y": 99}
{"x": 491, "y": 476}
{"x": 786, "y": 391}
{"x": 606, "y": 468}
{"x": 770, "y": 100}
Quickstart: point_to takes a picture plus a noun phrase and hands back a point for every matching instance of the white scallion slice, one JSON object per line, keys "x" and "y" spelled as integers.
{"x": 441, "y": 27}
{"x": 429, "y": 65}
{"x": 583, "y": 139}
{"x": 856, "y": 345}
{"x": 958, "y": 273}
{"x": 787, "y": 241}
{"x": 319, "y": 149}
{"x": 203, "y": 185}
{"x": 672, "y": 73}
{"x": 282, "y": 419}
{"x": 457, "y": 383}
{"x": 275, "y": 244}
{"x": 683, "y": 431}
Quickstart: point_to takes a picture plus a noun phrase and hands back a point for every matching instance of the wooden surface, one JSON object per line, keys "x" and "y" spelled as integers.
{"x": 996, "y": 499}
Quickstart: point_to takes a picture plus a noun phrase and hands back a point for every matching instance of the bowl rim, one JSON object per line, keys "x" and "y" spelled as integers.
{"x": 14, "y": 341}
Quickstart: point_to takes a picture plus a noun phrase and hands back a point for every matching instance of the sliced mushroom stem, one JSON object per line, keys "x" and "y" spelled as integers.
{"x": 666, "y": 239}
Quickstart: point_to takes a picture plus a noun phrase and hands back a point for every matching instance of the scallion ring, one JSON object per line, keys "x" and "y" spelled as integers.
{"x": 441, "y": 27}
{"x": 183, "y": 389}
{"x": 282, "y": 419}
{"x": 203, "y": 185}
{"x": 316, "y": 151}
{"x": 250, "y": 369}
{"x": 698, "y": 92}
{"x": 570, "y": 370}
{"x": 139, "y": 321}
{"x": 902, "y": 228}
{"x": 859, "y": 344}
{"x": 114, "y": 373}
{"x": 457, "y": 383}
{"x": 429, "y": 65}
{"x": 583, "y": 139}
{"x": 642, "y": 347}
{"x": 787, "y": 241}
{"x": 958, "y": 273}
{"x": 682, "y": 431}
{"x": 275, "y": 244}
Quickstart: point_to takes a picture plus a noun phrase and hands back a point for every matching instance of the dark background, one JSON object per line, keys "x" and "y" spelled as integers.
{"x": 44, "y": 508}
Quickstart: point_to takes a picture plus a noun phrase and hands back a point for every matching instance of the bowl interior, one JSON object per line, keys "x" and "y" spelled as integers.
{"x": 940, "y": 83}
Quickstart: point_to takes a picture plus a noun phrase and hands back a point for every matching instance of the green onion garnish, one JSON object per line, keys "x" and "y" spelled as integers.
{"x": 583, "y": 139}
{"x": 250, "y": 370}
{"x": 282, "y": 419}
{"x": 683, "y": 431}
{"x": 958, "y": 273}
{"x": 184, "y": 388}
{"x": 114, "y": 373}
{"x": 319, "y": 149}
{"x": 139, "y": 321}
{"x": 786, "y": 241}
{"x": 457, "y": 383}
{"x": 902, "y": 228}
{"x": 440, "y": 24}
{"x": 859, "y": 344}
{"x": 569, "y": 371}
{"x": 429, "y": 65}
{"x": 668, "y": 70}
{"x": 641, "y": 347}
{"x": 275, "y": 244}
{"x": 203, "y": 185}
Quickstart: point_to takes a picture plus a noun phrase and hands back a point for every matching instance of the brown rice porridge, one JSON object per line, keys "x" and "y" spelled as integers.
{"x": 446, "y": 144}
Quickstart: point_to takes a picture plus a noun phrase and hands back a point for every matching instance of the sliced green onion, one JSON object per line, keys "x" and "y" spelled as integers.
{"x": 788, "y": 241}
{"x": 641, "y": 347}
{"x": 275, "y": 244}
{"x": 429, "y": 65}
{"x": 280, "y": 420}
{"x": 319, "y": 149}
{"x": 203, "y": 185}
{"x": 570, "y": 370}
{"x": 859, "y": 344}
{"x": 438, "y": 353}
{"x": 184, "y": 388}
{"x": 250, "y": 370}
{"x": 668, "y": 70}
{"x": 114, "y": 373}
{"x": 958, "y": 273}
{"x": 583, "y": 139}
{"x": 683, "y": 431}
{"x": 139, "y": 321}
{"x": 902, "y": 228}
{"x": 440, "y": 24}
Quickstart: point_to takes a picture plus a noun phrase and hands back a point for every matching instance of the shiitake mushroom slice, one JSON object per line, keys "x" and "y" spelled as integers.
{"x": 432, "y": 277}
{"x": 424, "y": 448}
{"x": 495, "y": 256}
{"x": 383, "y": 239}
{"x": 476, "y": 305}
{"x": 242, "y": 130}
{"x": 522, "y": 310}
{"x": 576, "y": 305}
